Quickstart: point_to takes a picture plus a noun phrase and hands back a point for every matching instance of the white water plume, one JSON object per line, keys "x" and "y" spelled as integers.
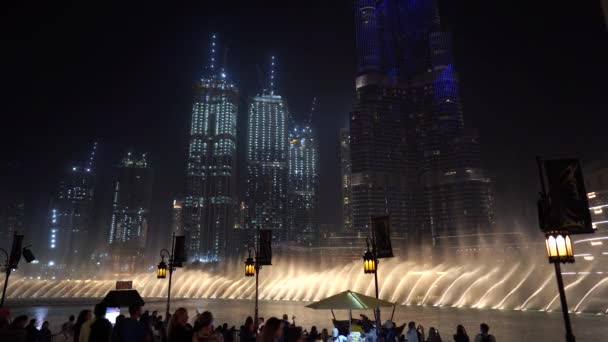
{"x": 513, "y": 286}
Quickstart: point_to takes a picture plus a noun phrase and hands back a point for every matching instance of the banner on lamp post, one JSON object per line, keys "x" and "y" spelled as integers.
{"x": 15, "y": 251}
{"x": 382, "y": 235}
{"x": 568, "y": 204}
{"x": 179, "y": 252}
{"x": 264, "y": 256}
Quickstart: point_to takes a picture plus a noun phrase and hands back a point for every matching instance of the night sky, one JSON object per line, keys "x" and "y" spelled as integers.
{"x": 533, "y": 82}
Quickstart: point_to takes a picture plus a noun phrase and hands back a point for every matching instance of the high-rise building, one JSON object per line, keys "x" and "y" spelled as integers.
{"x": 12, "y": 202}
{"x": 303, "y": 185}
{"x": 176, "y": 217}
{"x": 592, "y": 247}
{"x": 241, "y": 238}
{"x": 267, "y": 162}
{"x": 411, "y": 153}
{"x": 378, "y": 163}
{"x": 241, "y": 216}
{"x": 71, "y": 218}
{"x": 345, "y": 180}
{"x": 210, "y": 196}
{"x": 11, "y": 220}
{"x": 596, "y": 182}
{"x": 456, "y": 194}
{"x": 131, "y": 205}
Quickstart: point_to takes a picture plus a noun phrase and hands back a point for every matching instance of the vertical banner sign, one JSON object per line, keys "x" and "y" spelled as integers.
{"x": 15, "y": 251}
{"x": 569, "y": 207}
{"x": 381, "y": 225}
{"x": 264, "y": 256}
{"x": 179, "y": 253}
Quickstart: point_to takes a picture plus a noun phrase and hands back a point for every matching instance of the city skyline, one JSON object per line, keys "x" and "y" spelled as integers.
{"x": 442, "y": 162}
{"x": 475, "y": 108}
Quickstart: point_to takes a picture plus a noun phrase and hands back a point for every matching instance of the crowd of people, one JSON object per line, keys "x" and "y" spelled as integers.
{"x": 416, "y": 334}
{"x": 150, "y": 327}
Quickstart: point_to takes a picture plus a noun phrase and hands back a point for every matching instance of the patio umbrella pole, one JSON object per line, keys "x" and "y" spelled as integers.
{"x": 332, "y": 313}
{"x": 377, "y": 310}
{"x": 350, "y": 320}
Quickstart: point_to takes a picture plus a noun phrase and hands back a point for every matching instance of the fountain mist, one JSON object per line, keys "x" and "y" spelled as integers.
{"x": 514, "y": 286}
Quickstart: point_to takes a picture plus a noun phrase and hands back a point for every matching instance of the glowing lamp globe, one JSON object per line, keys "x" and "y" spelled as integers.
{"x": 559, "y": 247}
{"x": 369, "y": 262}
{"x": 161, "y": 273}
{"x": 249, "y": 267}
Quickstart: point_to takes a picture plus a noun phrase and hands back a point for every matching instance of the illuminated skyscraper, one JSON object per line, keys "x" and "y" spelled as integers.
{"x": 368, "y": 26}
{"x": 303, "y": 185}
{"x": 379, "y": 182}
{"x": 345, "y": 180}
{"x": 71, "y": 218}
{"x": 11, "y": 220}
{"x": 132, "y": 199}
{"x": 596, "y": 182}
{"x": 176, "y": 217}
{"x": 12, "y": 203}
{"x": 412, "y": 156}
{"x": 456, "y": 198}
{"x": 267, "y": 162}
{"x": 210, "y": 196}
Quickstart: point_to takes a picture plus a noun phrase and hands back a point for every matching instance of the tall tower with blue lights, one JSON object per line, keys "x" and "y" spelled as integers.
{"x": 379, "y": 179}
{"x": 71, "y": 218}
{"x": 456, "y": 198}
{"x": 267, "y": 161}
{"x": 303, "y": 185}
{"x": 131, "y": 206}
{"x": 210, "y": 197}
{"x": 412, "y": 156}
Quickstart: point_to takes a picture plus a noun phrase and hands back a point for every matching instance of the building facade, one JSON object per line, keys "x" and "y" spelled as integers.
{"x": 71, "y": 218}
{"x": 12, "y": 203}
{"x": 129, "y": 227}
{"x": 303, "y": 185}
{"x": 591, "y": 250}
{"x": 176, "y": 217}
{"x": 267, "y": 163}
{"x": 379, "y": 182}
{"x": 11, "y": 220}
{"x": 596, "y": 182}
{"x": 411, "y": 154}
{"x": 456, "y": 191}
{"x": 345, "y": 180}
{"x": 210, "y": 197}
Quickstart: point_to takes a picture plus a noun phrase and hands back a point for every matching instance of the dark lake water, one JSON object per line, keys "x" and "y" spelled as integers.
{"x": 505, "y": 325}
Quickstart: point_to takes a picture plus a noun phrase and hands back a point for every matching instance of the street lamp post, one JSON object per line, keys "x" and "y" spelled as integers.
{"x": 11, "y": 261}
{"x": 163, "y": 267}
{"x": 263, "y": 256}
{"x": 370, "y": 265}
{"x": 7, "y": 270}
{"x": 253, "y": 267}
{"x": 559, "y": 250}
